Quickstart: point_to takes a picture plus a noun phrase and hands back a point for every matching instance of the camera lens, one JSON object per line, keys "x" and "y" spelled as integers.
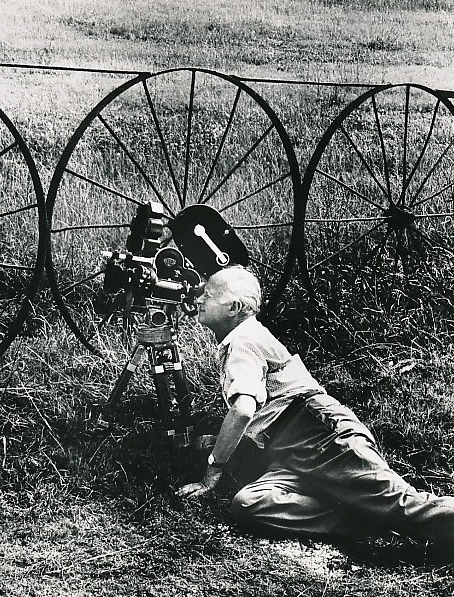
{"x": 158, "y": 318}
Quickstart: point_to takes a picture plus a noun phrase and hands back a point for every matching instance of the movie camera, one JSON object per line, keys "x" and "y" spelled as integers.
{"x": 147, "y": 271}
{"x": 154, "y": 279}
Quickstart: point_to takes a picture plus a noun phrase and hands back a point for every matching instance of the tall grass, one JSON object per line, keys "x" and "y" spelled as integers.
{"x": 393, "y": 366}
{"x": 385, "y": 5}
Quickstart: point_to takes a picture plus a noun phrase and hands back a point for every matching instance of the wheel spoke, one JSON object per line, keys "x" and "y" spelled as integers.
{"x": 401, "y": 201}
{"x": 423, "y": 150}
{"x": 443, "y": 290}
{"x": 18, "y": 210}
{"x": 163, "y": 143}
{"x": 14, "y": 266}
{"x": 382, "y": 145}
{"x": 269, "y": 268}
{"x": 381, "y": 247}
{"x": 375, "y": 256}
{"x": 6, "y": 313}
{"x": 400, "y": 251}
{"x": 107, "y": 316}
{"x": 221, "y": 145}
{"x": 414, "y": 243}
{"x": 100, "y": 325}
{"x": 256, "y": 192}
{"x": 188, "y": 139}
{"x": 136, "y": 164}
{"x": 431, "y": 242}
{"x": 442, "y": 190}
{"x": 103, "y": 187}
{"x": 414, "y": 202}
{"x": 347, "y": 246}
{"x": 448, "y": 214}
{"x": 349, "y": 188}
{"x": 88, "y": 227}
{"x": 67, "y": 289}
{"x": 240, "y": 162}
{"x": 344, "y": 220}
{"x": 9, "y": 148}
{"x": 363, "y": 160}
{"x": 262, "y": 226}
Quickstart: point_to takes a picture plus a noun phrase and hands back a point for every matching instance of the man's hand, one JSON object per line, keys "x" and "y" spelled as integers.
{"x": 232, "y": 430}
{"x": 210, "y": 480}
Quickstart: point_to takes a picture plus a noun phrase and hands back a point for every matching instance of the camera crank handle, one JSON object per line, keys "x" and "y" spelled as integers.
{"x": 221, "y": 258}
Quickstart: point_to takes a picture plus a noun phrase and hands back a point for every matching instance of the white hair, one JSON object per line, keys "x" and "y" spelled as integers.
{"x": 242, "y": 285}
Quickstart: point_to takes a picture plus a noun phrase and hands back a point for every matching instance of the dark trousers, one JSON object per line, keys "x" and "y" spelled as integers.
{"x": 325, "y": 475}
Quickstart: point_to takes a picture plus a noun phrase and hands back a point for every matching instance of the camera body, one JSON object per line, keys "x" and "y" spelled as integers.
{"x": 155, "y": 278}
{"x": 164, "y": 278}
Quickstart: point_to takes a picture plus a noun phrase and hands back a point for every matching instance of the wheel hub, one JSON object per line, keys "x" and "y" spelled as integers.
{"x": 398, "y": 217}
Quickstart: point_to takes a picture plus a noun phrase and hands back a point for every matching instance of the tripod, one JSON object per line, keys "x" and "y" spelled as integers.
{"x": 157, "y": 337}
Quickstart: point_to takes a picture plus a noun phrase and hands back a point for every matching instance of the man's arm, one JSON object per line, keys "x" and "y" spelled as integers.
{"x": 232, "y": 430}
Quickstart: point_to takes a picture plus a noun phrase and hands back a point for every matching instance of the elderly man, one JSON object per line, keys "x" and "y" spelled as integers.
{"x": 324, "y": 473}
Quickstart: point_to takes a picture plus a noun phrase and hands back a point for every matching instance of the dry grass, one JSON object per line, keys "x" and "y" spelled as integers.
{"x": 91, "y": 514}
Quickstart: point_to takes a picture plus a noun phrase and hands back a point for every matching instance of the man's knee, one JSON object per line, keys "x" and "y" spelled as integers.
{"x": 250, "y": 503}
{"x": 240, "y": 508}
{"x": 259, "y": 503}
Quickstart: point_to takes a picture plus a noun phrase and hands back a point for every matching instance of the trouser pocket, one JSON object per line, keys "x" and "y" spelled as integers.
{"x": 337, "y": 418}
{"x": 327, "y": 419}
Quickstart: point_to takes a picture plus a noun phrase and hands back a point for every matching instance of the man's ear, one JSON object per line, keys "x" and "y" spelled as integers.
{"x": 235, "y": 308}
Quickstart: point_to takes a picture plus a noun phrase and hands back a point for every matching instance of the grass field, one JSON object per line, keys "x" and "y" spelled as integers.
{"x": 94, "y": 514}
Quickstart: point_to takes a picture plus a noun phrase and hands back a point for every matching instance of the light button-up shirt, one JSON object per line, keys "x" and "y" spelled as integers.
{"x": 255, "y": 363}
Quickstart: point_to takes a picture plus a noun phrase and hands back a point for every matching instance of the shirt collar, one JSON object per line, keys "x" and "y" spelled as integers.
{"x": 244, "y": 325}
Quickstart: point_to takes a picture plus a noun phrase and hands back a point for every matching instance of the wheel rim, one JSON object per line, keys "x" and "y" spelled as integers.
{"x": 377, "y": 197}
{"x": 198, "y": 137}
{"x": 22, "y": 231}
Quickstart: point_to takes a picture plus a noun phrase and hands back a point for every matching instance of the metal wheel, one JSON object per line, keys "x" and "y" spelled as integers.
{"x": 178, "y": 137}
{"x": 379, "y": 204}
{"x": 22, "y": 231}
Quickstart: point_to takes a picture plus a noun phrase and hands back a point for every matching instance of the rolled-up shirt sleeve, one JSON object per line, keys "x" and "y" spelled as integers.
{"x": 245, "y": 372}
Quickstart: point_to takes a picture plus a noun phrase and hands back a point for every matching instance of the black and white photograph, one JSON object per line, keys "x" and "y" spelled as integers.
{"x": 227, "y": 298}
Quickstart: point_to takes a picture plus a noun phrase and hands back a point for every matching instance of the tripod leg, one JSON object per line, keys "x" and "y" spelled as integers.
{"x": 180, "y": 432}
{"x": 183, "y": 393}
{"x": 164, "y": 394}
{"x": 184, "y": 400}
{"x": 127, "y": 319}
{"x": 161, "y": 381}
{"x": 120, "y": 386}
{"x": 161, "y": 372}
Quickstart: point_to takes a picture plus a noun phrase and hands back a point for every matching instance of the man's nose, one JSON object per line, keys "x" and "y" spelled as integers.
{"x": 200, "y": 293}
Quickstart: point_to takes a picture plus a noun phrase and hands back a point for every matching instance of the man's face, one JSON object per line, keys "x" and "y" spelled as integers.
{"x": 214, "y": 306}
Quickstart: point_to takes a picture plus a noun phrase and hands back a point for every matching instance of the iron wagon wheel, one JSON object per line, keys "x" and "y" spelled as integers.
{"x": 379, "y": 205}
{"x": 22, "y": 231}
{"x": 178, "y": 137}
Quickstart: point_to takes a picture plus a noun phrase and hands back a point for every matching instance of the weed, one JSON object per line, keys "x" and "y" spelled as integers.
{"x": 86, "y": 513}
